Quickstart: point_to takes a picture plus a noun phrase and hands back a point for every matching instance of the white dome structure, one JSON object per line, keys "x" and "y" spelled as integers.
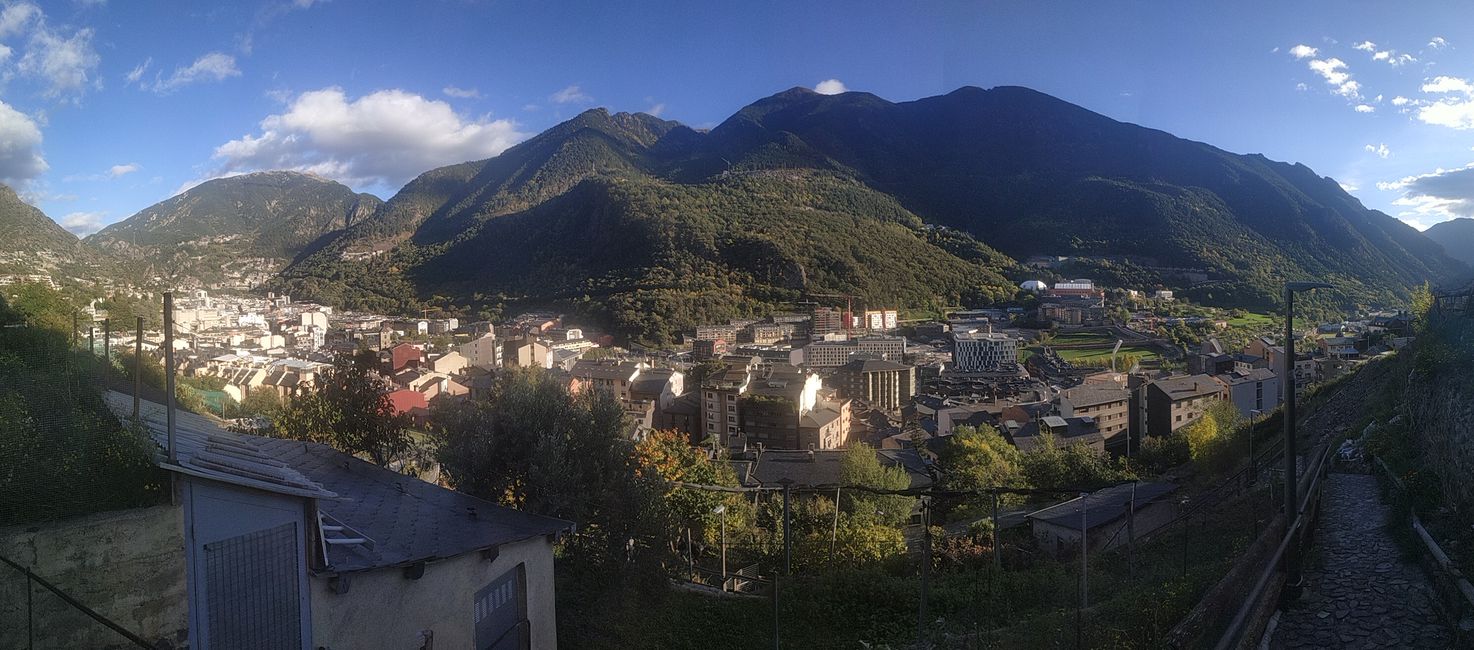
{"x": 1033, "y": 286}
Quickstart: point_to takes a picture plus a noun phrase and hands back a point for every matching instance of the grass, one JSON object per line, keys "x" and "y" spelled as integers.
{"x": 1252, "y": 320}
{"x": 1104, "y": 354}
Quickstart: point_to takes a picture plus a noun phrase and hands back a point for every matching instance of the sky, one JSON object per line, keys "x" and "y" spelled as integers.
{"x": 109, "y": 106}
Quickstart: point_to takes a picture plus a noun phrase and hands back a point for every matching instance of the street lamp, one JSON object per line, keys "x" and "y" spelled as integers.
{"x": 722, "y": 510}
{"x": 1292, "y": 559}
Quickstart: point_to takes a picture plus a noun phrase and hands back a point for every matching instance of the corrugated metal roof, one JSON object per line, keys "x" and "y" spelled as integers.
{"x": 204, "y": 449}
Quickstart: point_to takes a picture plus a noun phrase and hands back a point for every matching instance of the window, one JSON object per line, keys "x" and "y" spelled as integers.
{"x": 711, "y": 395}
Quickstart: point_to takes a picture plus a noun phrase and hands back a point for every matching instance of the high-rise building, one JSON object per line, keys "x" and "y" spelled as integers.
{"x": 984, "y": 352}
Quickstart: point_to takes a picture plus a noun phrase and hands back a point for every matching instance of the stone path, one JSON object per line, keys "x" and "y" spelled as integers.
{"x": 1360, "y": 592}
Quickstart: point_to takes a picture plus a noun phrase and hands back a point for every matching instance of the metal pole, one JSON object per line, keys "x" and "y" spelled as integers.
{"x": 30, "y": 616}
{"x": 925, "y": 571}
{"x": 997, "y": 549}
{"x": 137, "y": 369}
{"x": 834, "y": 531}
{"x": 73, "y": 339}
{"x": 107, "y": 336}
{"x": 690, "y": 557}
{"x": 724, "y": 549}
{"x": 1131, "y": 537}
{"x": 1084, "y": 567}
{"x": 1292, "y": 559}
{"x": 169, "y": 369}
{"x": 1183, "y": 517}
{"x": 92, "y": 338}
{"x": 787, "y": 537}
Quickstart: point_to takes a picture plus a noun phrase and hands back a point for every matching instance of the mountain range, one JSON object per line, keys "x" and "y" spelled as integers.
{"x": 1456, "y": 236}
{"x": 255, "y": 221}
{"x": 651, "y": 227}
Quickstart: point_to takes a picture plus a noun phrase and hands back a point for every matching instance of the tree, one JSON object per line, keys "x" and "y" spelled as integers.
{"x": 350, "y": 410}
{"x": 860, "y": 467}
{"x": 977, "y": 458}
{"x": 1421, "y": 305}
{"x": 1073, "y": 465}
{"x": 663, "y": 458}
{"x": 41, "y": 306}
{"x": 535, "y": 447}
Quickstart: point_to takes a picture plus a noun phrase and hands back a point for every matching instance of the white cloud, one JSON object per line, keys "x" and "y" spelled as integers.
{"x": 1349, "y": 187}
{"x": 830, "y": 87}
{"x": 1437, "y": 43}
{"x": 384, "y": 138}
{"x": 1301, "y": 87}
{"x": 137, "y": 72}
{"x": 1381, "y": 56}
{"x": 1400, "y": 100}
{"x": 20, "y": 147}
{"x": 214, "y": 66}
{"x": 63, "y": 64}
{"x": 570, "y": 95}
{"x": 123, "y": 170}
{"x": 656, "y": 110}
{"x": 1303, "y": 51}
{"x": 1453, "y": 114}
{"x": 16, "y": 18}
{"x": 1365, "y": 46}
{"x": 1335, "y": 72}
{"x": 82, "y": 224}
{"x": 1449, "y": 85}
{"x": 1365, "y": 108}
{"x": 1380, "y": 149}
{"x": 1435, "y": 196}
{"x": 461, "y": 93}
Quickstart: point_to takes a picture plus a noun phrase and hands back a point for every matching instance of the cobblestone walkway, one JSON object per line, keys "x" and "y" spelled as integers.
{"x": 1360, "y": 592}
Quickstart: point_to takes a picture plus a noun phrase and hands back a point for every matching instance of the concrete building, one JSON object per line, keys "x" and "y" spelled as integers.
{"x": 614, "y": 378}
{"x": 1255, "y": 390}
{"x": 719, "y": 395}
{"x": 703, "y": 349}
{"x": 984, "y": 352}
{"x": 291, "y": 544}
{"x": 1176, "y": 402}
{"x": 1108, "y": 403}
{"x": 884, "y": 384}
{"x": 826, "y": 320}
{"x": 482, "y": 352}
{"x": 526, "y": 352}
{"x": 450, "y": 363}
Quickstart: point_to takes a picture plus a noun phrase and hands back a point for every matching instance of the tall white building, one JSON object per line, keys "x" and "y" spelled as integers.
{"x": 984, "y": 351}
{"x": 483, "y": 352}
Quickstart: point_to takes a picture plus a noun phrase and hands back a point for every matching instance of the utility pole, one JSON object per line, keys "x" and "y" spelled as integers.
{"x": 137, "y": 369}
{"x": 997, "y": 549}
{"x": 169, "y": 371}
{"x": 107, "y": 335}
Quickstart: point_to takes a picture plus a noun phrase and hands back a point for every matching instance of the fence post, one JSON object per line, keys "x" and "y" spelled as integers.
{"x": 925, "y": 569}
{"x": 137, "y": 369}
{"x": 169, "y": 370}
{"x": 1131, "y": 537}
{"x": 30, "y": 616}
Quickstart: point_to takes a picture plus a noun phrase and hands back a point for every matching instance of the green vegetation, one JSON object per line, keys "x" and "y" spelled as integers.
{"x": 62, "y": 451}
{"x": 349, "y": 409}
{"x": 228, "y": 223}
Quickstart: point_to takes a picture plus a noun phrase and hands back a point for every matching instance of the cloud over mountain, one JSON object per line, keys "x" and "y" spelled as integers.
{"x": 380, "y": 139}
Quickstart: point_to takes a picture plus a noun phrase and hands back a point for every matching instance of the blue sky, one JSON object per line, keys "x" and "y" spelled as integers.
{"x": 110, "y": 106}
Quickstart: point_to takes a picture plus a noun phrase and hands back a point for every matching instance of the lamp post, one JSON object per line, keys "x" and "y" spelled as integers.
{"x": 1253, "y": 422}
{"x": 1292, "y": 558}
{"x": 722, "y": 510}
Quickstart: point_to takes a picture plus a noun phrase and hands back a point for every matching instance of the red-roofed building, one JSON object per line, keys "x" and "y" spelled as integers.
{"x": 408, "y": 401}
{"x": 404, "y": 356}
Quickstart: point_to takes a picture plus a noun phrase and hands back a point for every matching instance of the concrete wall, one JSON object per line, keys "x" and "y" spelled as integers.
{"x": 384, "y": 609}
{"x": 128, "y": 565}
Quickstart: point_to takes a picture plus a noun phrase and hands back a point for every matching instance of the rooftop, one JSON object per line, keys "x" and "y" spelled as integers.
{"x": 1103, "y": 506}
{"x": 408, "y": 519}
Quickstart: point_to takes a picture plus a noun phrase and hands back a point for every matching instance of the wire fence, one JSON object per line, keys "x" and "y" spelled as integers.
{"x": 1028, "y": 581}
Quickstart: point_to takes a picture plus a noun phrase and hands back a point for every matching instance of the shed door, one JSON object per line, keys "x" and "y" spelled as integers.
{"x": 501, "y": 612}
{"x": 252, "y": 590}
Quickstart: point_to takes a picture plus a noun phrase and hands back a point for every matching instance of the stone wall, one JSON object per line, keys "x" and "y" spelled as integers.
{"x": 127, "y": 565}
